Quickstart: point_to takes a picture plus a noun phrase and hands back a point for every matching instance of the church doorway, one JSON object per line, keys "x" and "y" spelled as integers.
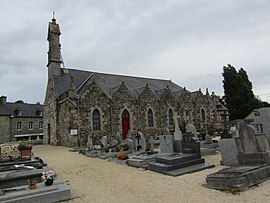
{"x": 125, "y": 123}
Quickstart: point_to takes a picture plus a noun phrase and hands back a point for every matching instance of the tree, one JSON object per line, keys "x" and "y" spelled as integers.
{"x": 238, "y": 95}
{"x": 19, "y": 102}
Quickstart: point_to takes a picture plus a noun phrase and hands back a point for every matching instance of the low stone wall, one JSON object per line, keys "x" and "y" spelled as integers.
{"x": 9, "y": 149}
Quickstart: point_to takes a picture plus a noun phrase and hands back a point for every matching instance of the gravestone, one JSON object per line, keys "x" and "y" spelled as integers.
{"x": 253, "y": 158}
{"x": 228, "y": 152}
{"x": 190, "y": 128}
{"x": 130, "y": 144}
{"x": 129, "y": 135}
{"x": 208, "y": 139}
{"x": 90, "y": 145}
{"x": 114, "y": 142}
{"x": 166, "y": 143}
{"x": 152, "y": 143}
{"x": 252, "y": 149}
{"x": 177, "y": 143}
{"x": 173, "y": 163}
{"x": 166, "y": 131}
{"x": 139, "y": 141}
{"x": 104, "y": 142}
{"x": 118, "y": 136}
{"x": 177, "y": 132}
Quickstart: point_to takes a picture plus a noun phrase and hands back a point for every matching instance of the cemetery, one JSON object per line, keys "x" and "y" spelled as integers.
{"x": 176, "y": 155}
{"x": 244, "y": 161}
{"x": 21, "y": 177}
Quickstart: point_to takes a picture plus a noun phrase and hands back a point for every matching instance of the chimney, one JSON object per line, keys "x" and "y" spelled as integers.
{"x": 3, "y": 100}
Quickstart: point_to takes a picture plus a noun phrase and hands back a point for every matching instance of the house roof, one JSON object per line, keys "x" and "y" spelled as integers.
{"x": 28, "y": 110}
{"x": 109, "y": 82}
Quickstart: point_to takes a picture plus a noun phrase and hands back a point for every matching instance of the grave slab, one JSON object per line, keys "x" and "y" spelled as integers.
{"x": 45, "y": 194}
{"x": 238, "y": 178}
{"x": 20, "y": 177}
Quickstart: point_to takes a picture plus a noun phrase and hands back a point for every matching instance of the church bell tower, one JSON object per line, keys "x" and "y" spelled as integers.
{"x": 54, "y": 53}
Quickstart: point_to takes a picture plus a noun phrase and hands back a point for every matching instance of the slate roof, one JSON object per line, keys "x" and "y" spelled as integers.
{"x": 109, "y": 83}
{"x": 28, "y": 110}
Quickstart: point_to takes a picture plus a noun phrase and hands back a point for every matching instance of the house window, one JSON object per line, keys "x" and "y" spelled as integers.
{"x": 170, "y": 117}
{"x": 40, "y": 124}
{"x": 30, "y": 125}
{"x": 259, "y": 128}
{"x": 96, "y": 120}
{"x": 150, "y": 118}
{"x": 19, "y": 125}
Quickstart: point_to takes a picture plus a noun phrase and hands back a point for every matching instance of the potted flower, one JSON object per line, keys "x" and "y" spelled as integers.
{"x": 48, "y": 177}
{"x": 25, "y": 149}
{"x": 32, "y": 184}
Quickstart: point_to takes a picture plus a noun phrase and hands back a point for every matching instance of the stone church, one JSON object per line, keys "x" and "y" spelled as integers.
{"x": 79, "y": 101}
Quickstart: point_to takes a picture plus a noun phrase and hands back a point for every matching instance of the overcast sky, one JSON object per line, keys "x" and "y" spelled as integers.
{"x": 187, "y": 41}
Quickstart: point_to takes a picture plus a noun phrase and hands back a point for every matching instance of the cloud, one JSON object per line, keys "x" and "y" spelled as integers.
{"x": 186, "y": 41}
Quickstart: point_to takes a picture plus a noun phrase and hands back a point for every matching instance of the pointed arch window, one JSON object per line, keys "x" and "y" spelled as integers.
{"x": 170, "y": 117}
{"x": 96, "y": 119}
{"x": 150, "y": 118}
{"x": 203, "y": 115}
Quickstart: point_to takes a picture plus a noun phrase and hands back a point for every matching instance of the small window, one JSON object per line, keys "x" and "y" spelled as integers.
{"x": 96, "y": 120}
{"x": 150, "y": 118}
{"x": 30, "y": 125}
{"x": 39, "y": 113}
{"x": 170, "y": 117}
{"x": 18, "y": 112}
{"x": 19, "y": 125}
{"x": 40, "y": 124}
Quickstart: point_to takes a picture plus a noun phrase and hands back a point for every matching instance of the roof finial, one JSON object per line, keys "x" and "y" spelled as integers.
{"x": 53, "y": 19}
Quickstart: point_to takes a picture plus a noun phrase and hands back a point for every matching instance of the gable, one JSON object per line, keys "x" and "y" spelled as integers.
{"x": 108, "y": 82}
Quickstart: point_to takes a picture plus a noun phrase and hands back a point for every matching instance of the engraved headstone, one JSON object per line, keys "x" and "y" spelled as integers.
{"x": 166, "y": 143}
{"x": 139, "y": 141}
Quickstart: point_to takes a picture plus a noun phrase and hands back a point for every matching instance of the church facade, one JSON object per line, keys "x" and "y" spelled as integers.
{"x": 79, "y": 101}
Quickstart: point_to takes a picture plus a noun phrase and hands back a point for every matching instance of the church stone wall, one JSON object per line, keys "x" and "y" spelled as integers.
{"x": 147, "y": 100}
{"x": 94, "y": 98}
{"x": 167, "y": 102}
{"x": 123, "y": 99}
{"x": 67, "y": 113}
{"x": 50, "y": 109}
{"x": 201, "y": 103}
{"x": 186, "y": 106}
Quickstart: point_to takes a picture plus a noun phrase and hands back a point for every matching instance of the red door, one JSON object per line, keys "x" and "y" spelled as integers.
{"x": 125, "y": 123}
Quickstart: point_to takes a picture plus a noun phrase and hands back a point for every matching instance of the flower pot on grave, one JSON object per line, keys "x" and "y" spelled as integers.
{"x": 25, "y": 149}
{"x": 49, "y": 182}
{"x": 26, "y": 152}
{"x": 32, "y": 185}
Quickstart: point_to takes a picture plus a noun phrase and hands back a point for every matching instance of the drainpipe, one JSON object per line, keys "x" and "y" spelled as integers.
{"x": 139, "y": 116}
{"x": 110, "y": 103}
{"x": 10, "y": 129}
{"x": 78, "y": 120}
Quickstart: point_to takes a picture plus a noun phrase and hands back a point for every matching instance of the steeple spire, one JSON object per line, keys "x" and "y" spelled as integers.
{"x": 54, "y": 53}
